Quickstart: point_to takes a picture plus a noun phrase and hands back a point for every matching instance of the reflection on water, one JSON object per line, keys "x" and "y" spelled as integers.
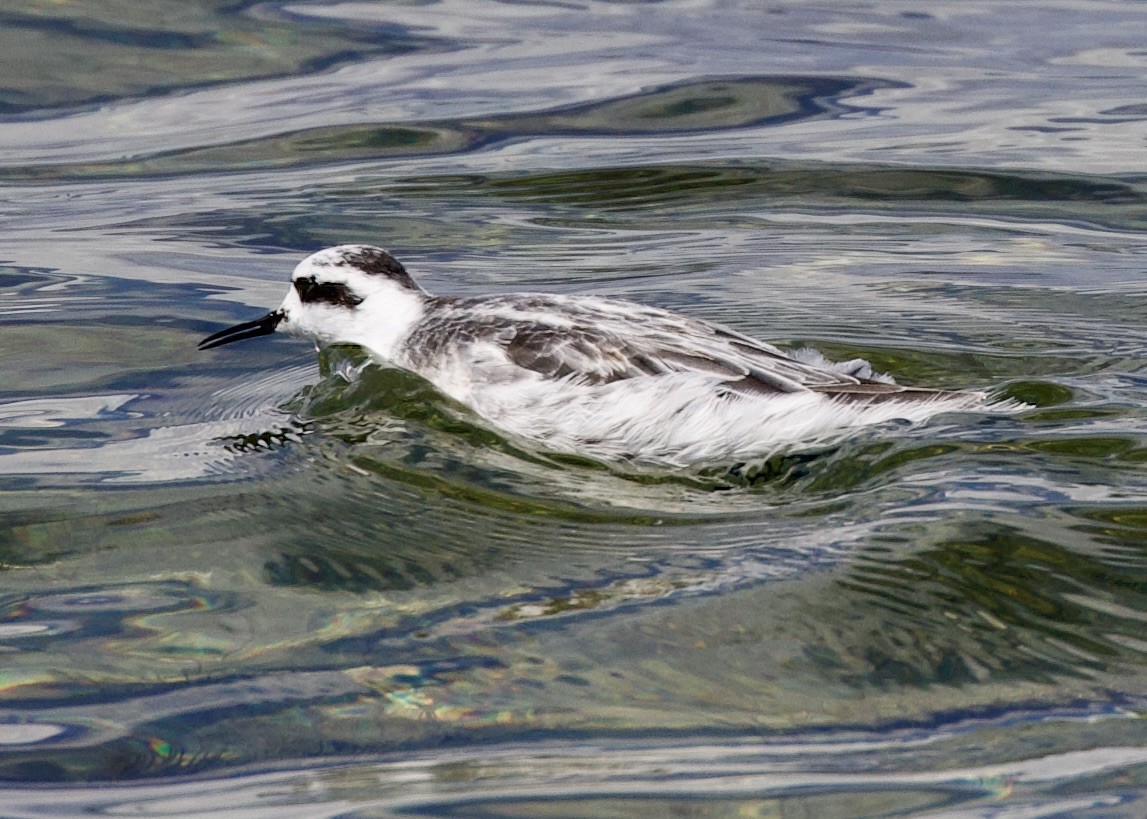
{"x": 119, "y": 52}
{"x": 692, "y": 107}
{"x": 324, "y": 586}
{"x": 908, "y": 771}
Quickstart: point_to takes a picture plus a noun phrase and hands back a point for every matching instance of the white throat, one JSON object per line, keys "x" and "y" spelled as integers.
{"x": 384, "y": 320}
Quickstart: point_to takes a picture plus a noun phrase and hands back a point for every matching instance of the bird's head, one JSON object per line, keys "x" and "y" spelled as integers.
{"x": 350, "y": 294}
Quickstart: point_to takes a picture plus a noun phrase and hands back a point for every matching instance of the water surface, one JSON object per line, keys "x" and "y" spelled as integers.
{"x": 237, "y": 583}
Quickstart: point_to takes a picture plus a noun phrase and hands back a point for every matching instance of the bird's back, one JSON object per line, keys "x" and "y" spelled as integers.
{"x": 593, "y": 341}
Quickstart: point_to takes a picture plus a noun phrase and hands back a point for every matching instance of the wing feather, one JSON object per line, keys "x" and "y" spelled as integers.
{"x": 599, "y": 341}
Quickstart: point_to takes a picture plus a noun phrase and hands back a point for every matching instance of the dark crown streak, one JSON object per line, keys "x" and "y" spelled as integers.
{"x": 374, "y": 261}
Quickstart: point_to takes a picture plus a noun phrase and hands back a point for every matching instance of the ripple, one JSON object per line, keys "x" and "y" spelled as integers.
{"x": 14, "y": 631}
{"x": 183, "y": 48}
{"x": 689, "y": 187}
{"x": 126, "y": 600}
{"x": 28, "y": 733}
{"x": 48, "y": 413}
{"x": 1025, "y": 615}
{"x": 850, "y": 774}
{"x": 688, "y": 107}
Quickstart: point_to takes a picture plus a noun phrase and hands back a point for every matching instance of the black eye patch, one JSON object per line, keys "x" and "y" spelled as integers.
{"x": 311, "y": 291}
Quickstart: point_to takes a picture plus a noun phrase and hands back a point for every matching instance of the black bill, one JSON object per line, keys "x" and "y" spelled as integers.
{"x": 249, "y": 329}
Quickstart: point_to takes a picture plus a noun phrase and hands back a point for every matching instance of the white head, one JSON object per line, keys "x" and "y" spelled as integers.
{"x": 350, "y": 294}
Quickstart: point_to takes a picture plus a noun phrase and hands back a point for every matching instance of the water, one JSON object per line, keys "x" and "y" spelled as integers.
{"x": 235, "y": 584}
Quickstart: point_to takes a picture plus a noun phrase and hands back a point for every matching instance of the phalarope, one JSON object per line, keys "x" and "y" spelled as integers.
{"x": 595, "y": 376}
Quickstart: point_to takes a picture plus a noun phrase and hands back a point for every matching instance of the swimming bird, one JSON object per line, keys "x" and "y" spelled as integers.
{"x": 595, "y": 376}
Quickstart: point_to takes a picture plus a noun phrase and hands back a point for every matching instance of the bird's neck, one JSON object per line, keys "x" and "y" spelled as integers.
{"x": 383, "y": 328}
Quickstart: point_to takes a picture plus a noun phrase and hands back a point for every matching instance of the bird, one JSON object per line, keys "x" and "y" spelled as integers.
{"x": 600, "y": 377}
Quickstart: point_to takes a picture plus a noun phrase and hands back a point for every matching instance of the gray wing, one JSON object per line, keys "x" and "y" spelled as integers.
{"x": 599, "y": 341}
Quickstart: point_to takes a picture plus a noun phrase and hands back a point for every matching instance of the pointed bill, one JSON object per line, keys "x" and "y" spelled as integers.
{"x": 250, "y": 329}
